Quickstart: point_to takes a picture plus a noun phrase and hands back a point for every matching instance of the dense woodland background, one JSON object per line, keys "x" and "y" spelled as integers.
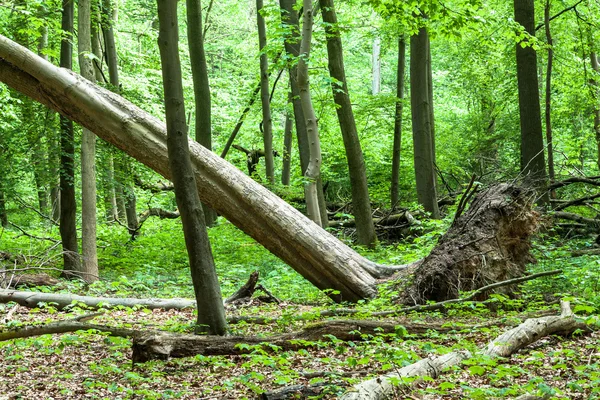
{"x": 479, "y": 140}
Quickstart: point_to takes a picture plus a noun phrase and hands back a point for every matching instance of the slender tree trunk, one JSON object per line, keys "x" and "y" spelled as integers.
{"x": 398, "y": 121}
{"x": 97, "y": 44}
{"x": 202, "y": 100}
{"x": 109, "y": 44}
{"x": 267, "y": 123}
{"x": 313, "y": 171}
{"x": 287, "y": 146}
{"x": 376, "y": 65}
{"x": 211, "y": 313}
{"x": 430, "y": 94}
{"x": 108, "y": 186}
{"x": 3, "y": 213}
{"x": 289, "y": 16}
{"x": 124, "y": 191}
{"x": 421, "y": 123}
{"x": 548, "y": 108}
{"x": 68, "y": 205}
{"x": 596, "y": 68}
{"x": 52, "y": 142}
{"x": 89, "y": 266}
{"x": 361, "y": 204}
{"x": 533, "y": 166}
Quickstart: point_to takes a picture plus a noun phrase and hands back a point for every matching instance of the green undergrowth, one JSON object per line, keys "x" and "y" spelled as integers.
{"x": 155, "y": 265}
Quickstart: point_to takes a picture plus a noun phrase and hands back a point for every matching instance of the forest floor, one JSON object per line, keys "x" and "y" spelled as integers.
{"x": 96, "y": 366}
{"x": 90, "y": 365}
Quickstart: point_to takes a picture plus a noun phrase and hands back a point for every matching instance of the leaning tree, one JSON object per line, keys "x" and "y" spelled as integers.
{"x": 488, "y": 243}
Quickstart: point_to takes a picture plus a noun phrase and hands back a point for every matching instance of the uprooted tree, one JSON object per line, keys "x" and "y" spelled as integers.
{"x": 490, "y": 242}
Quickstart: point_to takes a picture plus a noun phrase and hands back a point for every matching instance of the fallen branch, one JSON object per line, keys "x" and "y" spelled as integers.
{"x": 593, "y": 222}
{"x": 506, "y": 344}
{"x": 295, "y": 392}
{"x": 590, "y": 180}
{"x": 571, "y": 203}
{"x": 72, "y": 325}
{"x": 588, "y": 252}
{"x": 404, "y": 218}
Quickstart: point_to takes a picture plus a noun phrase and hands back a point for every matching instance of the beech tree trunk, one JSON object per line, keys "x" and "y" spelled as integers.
{"x": 267, "y": 124}
{"x": 314, "y": 253}
{"x": 398, "y": 121}
{"x": 422, "y": 125}
{"x": 289, "y": 16}
{"x": 533, "y": 166}
{"x": 89, "y": 264}
{"x": 3, "y": 213}
{"x": 594, "y": 81}
{"x": 202, "y": 100}
{"x": 313, "y": 171}
{"x": 548, "y": 108}
{"x": 376, "y": 66}
{"x": 211, "y": 313}
{"x": 361, "y": 204}
{"x": 68, "y": 205}
{"x": 287, "y": 146}
{"x": 126, "y": 201}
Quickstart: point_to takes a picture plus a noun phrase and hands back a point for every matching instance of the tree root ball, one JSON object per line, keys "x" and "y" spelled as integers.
{"x": 491, "y": 242}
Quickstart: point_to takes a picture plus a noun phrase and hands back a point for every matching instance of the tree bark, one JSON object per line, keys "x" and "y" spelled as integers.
{"x": 533, "y": 166}
{"x": 548, "y": 108}
{"x": 202, "y": 99}
{"x": 211, "y": 313}
{"x": 289, "y": 17}
{"x": 3, "y": 213}
{"x": 68, "y": 205}
{"x": 594, "y": 81}
{"x": 398, "y": 121}
{"x": 89, "y": 264}
{"x": 126, "y": 201}
{"x": 287, "y": 146}
{"x": 62, "y": 300}
{"x": 313, "y": 171}
{"x": 421, "y": 106}
{"x": 162, "y": 345}
{"x": 267, "y": 123}
{"x": 376, "y": 65}
{"x": 361, "y": 203}
{"x": 314, "y": 253}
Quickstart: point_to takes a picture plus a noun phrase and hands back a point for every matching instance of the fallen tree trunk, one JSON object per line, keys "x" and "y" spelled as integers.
{"x": 505, "y": 345}
{"x": 162, "y": 346}
{"x": 71, "y": 325}
{"x": 62, "y": 300}
{"x": 315, "y": 254}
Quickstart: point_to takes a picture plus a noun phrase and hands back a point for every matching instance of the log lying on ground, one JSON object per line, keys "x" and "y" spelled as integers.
{"x": 162, "y": 346}
{"x": 404, "y": 218}
{"x": 315, "y": 254}
{"x": 505, "y": 345}
{"x": 71, "y": 325}
{"x": 489, "y": 243}
{"x": 20, "y": 280}
{"x": 62, "y": 300}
